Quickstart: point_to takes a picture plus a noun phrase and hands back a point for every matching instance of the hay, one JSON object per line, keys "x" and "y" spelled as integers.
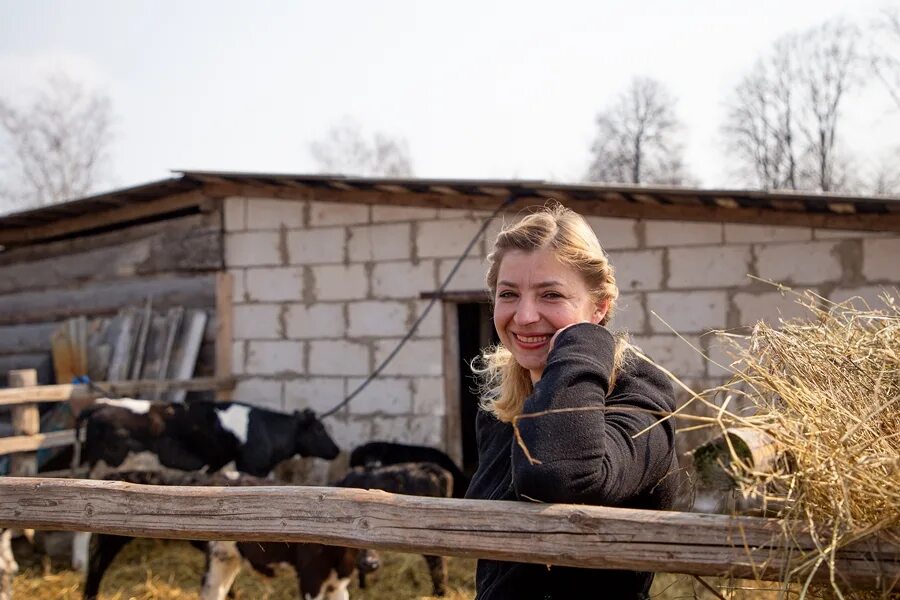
{"x": 828, "y": 391}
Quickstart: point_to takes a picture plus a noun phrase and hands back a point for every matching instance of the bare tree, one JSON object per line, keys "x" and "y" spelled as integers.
{"x": 885, "y": 53}
{"x": 636, "y": 138}
{"x": 783, "y": 119}
{"x": 345, "y": 149}
{"x": 54, "y": 149}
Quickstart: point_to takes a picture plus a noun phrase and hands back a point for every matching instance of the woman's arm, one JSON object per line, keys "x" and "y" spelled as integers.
{"x": 590, "y": 456}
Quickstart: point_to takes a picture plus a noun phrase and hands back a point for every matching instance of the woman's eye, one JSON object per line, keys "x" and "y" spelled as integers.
{"x": 506, "y": 294}
{"x": 552, "y": 295}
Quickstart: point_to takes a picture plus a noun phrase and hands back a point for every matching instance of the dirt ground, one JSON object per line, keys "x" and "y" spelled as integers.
{"x": 164, "y": 570}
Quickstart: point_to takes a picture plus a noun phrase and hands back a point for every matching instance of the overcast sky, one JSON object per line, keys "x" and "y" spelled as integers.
{"x": 479, "y": 89}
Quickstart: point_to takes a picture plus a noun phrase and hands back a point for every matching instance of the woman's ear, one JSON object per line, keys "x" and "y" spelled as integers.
{"x": 600, "y": 311}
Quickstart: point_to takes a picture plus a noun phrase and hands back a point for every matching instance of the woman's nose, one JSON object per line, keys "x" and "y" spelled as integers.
{"x": 526, "y": 312}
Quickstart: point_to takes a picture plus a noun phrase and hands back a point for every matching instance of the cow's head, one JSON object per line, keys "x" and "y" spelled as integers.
{"x": 311, "y": 437}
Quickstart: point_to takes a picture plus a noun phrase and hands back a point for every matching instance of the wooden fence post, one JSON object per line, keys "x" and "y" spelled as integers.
{"x": 26, "y": 420}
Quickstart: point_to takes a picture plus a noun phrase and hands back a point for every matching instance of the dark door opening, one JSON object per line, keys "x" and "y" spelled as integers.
{"x": 476, "y": 331}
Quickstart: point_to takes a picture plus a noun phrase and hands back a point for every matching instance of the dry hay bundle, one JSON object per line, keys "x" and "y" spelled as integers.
{"x": 828, "y": 391}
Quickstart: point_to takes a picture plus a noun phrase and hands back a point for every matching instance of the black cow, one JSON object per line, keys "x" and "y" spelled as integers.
{"x": 376, "y": 454}
{"x": 191, "y": 436}
{"x": 414, "y": 479}
{"x": 323, "y": 572}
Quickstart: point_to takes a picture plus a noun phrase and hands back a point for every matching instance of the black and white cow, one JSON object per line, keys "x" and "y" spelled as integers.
{"x": 376, "y": 454}
{"x": 323, "y": 572}
{"x": 192, "y": 436}
{"x": 414, "y": 479}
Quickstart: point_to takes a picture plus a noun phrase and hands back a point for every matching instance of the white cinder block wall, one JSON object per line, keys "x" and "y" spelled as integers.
{"x": 324, "y": 291}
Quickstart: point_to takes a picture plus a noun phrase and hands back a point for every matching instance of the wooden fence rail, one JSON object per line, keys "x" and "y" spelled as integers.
{"x": 69, "y": 392}
{"x": 580, "y": 536}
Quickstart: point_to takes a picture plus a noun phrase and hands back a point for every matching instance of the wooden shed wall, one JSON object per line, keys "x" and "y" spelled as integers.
{"x": 174, "y": 261}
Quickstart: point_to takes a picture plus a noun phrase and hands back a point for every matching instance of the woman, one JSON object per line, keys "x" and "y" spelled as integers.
{"x": 554, "y": 292}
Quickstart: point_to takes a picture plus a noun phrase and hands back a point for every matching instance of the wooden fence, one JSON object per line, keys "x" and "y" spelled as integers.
{"x": 553, "y": 534}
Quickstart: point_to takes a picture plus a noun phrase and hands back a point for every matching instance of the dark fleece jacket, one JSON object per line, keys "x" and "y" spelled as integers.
{"x": 586, "y": 457}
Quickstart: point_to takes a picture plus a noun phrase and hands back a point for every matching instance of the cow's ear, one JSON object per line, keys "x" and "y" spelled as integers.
{"x": 305, "y": 416}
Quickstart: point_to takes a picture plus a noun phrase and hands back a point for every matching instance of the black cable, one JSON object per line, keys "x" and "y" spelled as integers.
{"x": 422, "y": 316}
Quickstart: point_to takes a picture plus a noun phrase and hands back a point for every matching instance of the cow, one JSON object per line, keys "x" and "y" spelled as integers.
{"x": 201, "y": 434}
{"x": 323, "y": 572}
{"x": 376, "y": 454}
{"x": 415, "y": 479}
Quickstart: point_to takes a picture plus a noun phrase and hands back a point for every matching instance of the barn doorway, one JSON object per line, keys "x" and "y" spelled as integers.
{"x": 475, "y": 328}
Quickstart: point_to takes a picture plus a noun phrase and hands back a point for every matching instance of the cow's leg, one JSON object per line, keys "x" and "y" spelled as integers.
{"x": 437, "y": 566}
{"x": 81, "y": 543}
{"x": 102, "y": 552}
{"x": 223, "y": 565}
{"x": 333, "y": 587}
{"x": 8, "y": 565}
{"x": 366, "y": 562}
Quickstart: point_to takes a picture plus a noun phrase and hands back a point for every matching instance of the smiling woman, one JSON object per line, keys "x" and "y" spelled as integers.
{"x": 554, "y": 292}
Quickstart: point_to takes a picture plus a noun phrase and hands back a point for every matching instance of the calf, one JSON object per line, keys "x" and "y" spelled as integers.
{"x": 192, "y": 436}
{"x": 376, "y": 454}
{"x": 415, "y": 479}
{"x": 323, "y": 572}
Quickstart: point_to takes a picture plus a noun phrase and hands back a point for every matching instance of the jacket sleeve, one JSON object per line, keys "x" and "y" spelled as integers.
{"x": 591, "y": 456}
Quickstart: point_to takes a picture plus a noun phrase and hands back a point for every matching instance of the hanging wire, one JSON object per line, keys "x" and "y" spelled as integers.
{"x": 512, "y": 198}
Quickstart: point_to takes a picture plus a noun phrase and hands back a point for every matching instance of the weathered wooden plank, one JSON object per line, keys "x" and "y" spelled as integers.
{"x": 67, "y": 392}
{"x": 572, "y": 535}
{"x": 24, "y": 339}
{"x": 187, "y": 350}
{"x": 105, "y": 298}
{"x": 224, "y": 328}
{"x": 26, "y": 422}
{"x": 32, "y": 443}
{"x": 173, "y": 227}
{"x": 124, "y": 214}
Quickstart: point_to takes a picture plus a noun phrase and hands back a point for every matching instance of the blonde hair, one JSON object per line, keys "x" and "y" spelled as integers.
{"x": 503, "y": 383}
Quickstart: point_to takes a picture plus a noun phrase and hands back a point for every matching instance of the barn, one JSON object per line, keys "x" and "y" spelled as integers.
{"x": 309, "y": 282}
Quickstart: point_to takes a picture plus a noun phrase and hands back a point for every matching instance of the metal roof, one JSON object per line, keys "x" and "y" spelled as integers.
{"x": 866, "y": 212}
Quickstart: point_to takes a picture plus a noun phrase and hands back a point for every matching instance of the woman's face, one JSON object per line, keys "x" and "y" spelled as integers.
{"x": 536, "y": 296}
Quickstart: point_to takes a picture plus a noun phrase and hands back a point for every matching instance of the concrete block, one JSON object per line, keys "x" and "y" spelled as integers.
{"x": 337, "y": 213}
{"x": 881, "y": 260}
{"x": 454, "y": 213}
{"x": 349, "y": 433}
{"x": 274, "y": 357}
{"x": 674, "y": 354}
{"x": 401, "y": 213}
{"x": 391, "y": 429}
{"x": 709, "y": 267}
{"x": 417, "y": 357}
{"x": 433, "y": 324}
{"x": 444, "y": 239}
{"x": 340, "y": 282}
{"x": 838, "y": 234}
{"x": 314, "y": 321}
{"x": 428, "y": 396}
{"x": 257, "y": 321}
{"x": 338, "y": 357}
{"x": 768, "y": 307}
{"x": 252, "y": 249}
{"x": 390, "y": 396}
{"x": 681, "y": 233}
{"x": 638, "y": 269}
{"x": 318, "y": 393}
{"x": 403, "y": 279}
{"x": 237, "y": 357}
{"x": 807, "y": 263}
{"x": 739, "y": 233}
{"x": 380, "y": 242}
{"x": 630, "y": 314}
{"x": 426, "y": 430}
{"x": 377, "y": 318}
{"x": 257, "y": 391}
{"x": 238, "y": 285}
{"x": 275, "y": 284}
{"x": 613, "y": 233}
{"x": 316, "y": 246}
{"x": 235, "y": 208}
{"x": 869, "y": 297}
{"x": 468, "y": 278}
{"x": 687, "y": 312}
{"x": 499, "y": 223}
{"x": 266, "y": 213}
